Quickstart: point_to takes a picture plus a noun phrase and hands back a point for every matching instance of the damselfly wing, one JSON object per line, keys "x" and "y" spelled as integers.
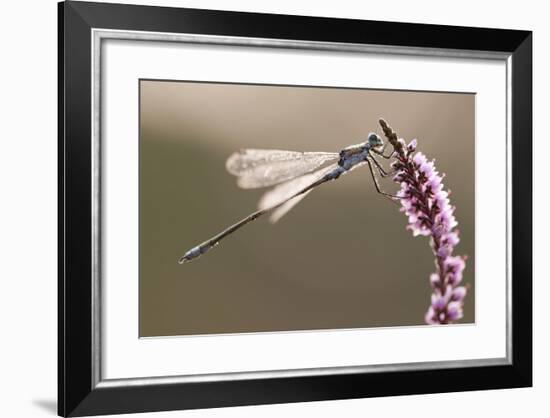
{"x": 264, "y": 167}
{"x": 284, "y": 192}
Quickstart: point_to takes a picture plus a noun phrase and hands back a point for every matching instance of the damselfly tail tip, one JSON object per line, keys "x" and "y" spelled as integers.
{"x": 187, "y": 258}
{"x": 190, "y": 255}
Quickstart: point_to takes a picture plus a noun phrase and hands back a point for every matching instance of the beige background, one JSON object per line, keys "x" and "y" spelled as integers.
{"x": 341, "y": 259}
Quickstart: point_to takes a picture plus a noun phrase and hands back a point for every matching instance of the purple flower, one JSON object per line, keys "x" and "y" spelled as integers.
{"x": 453, "y": 268}
{"x": 429, "y": 212}
{"x": 459, "y": 293}
{"x": 453, "y": 311}
{"x": 431, "y": 317}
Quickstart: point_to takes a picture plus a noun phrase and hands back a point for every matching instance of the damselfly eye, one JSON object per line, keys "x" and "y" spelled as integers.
{"x": 375, "y": 140}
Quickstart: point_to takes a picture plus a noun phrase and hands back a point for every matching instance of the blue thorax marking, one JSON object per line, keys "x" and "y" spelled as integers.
{"x": 349, "y": 158}
{"x": 353, "y": 155}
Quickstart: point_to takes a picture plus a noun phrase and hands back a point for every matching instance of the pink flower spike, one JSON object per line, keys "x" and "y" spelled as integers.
{"x": 429, "y": 212}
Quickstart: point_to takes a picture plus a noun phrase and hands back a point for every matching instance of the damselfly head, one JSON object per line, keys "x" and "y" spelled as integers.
{"x": 375, "y": 141}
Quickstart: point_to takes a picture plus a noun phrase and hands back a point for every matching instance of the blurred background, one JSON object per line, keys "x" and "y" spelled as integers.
{"x": 342, "y": 258}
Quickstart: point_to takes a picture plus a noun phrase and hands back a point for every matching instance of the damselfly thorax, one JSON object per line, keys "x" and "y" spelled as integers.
{"x": 294, "y": 175}
{"x": 354, "y": 154}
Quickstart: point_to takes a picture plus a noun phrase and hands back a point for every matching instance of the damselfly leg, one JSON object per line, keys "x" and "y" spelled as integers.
{"x": 383, "y": 173}
{"x": 377, "y": 185}
{"x": 381, "y": 152}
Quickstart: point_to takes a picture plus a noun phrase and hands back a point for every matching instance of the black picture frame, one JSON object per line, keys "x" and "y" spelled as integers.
{"x": 79, "y": 395}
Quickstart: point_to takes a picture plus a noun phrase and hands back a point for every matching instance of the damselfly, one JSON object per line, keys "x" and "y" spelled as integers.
{"x": 294, "y": 175}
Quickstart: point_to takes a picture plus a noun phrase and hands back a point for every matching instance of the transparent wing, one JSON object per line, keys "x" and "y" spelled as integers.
{"x": 284, "y": 209}
{"x": 260, "y": 168}
{"x": 286, "y": 190}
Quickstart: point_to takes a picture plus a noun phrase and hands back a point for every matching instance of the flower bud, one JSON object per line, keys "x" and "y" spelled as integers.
{"x": 459, "y": 293}
{"x": 454, "y": 311}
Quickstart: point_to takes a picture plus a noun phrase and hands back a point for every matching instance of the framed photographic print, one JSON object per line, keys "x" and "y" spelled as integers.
{"x": 265, "y": 208}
